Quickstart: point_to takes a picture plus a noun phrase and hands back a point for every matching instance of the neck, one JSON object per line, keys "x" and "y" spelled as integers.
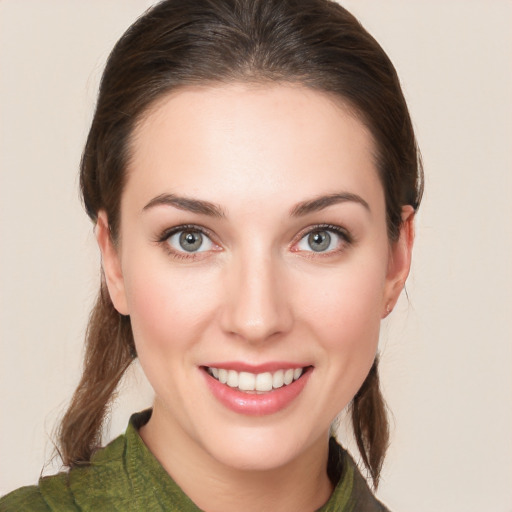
{"x": 301, "y": 484}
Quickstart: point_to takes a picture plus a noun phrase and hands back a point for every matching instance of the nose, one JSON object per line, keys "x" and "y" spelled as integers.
{"x": 257, "y": 303}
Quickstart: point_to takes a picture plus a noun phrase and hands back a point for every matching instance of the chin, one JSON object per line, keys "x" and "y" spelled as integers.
{"x": 254, "y": 449}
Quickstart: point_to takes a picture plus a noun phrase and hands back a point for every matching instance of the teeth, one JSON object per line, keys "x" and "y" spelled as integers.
{"x": 288, "y": 377}
{"x": 232, "y": 381}
{"x": 223, "y": 375}
{"x": 260, "y": 382}
{"x": 278, "y": 379}
{"x": 246, "y": 381}
{"x": 264, "y": 382}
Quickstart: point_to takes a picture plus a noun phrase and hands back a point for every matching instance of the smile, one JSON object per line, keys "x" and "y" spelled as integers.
{"x": 255, "y": 382}
{"x": 262, "y": 391}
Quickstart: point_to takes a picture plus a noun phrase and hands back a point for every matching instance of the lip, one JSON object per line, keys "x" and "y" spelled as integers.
{"x": 256, "y": 368}
{"x": 253, "y": 404}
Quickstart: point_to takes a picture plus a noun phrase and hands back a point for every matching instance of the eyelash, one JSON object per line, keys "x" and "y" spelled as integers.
{"x": 344, "y": 235}
{"x": 346, "y": 238}
{"x": 166, "y": 234}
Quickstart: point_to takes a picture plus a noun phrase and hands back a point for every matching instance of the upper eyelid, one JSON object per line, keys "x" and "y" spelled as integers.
{"x": 346, "y": 239}
{"x": 166, "y": 233}
{"x": 339, "y": 230}
{"x": 163, "y": 240}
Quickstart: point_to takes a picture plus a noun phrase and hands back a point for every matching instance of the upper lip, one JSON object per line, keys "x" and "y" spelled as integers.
{"x": 271, "y": 366}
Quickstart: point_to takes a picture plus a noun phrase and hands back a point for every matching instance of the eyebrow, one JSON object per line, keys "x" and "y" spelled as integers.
{"x": 187, "y": 204}
{"x": 213, "y": 210}
{"x": 319, "y": 203}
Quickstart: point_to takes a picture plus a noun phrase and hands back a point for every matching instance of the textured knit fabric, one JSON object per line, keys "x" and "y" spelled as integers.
{"x": 125, "y": 476}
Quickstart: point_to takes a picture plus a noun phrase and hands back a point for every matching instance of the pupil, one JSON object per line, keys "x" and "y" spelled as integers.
{"x": 319, "y": 241}
{"x": 191, "y": 242}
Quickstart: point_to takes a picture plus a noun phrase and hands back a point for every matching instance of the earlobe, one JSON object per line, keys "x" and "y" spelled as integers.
{"x": 111, "y": 264}
{"x": 399, "y": 261}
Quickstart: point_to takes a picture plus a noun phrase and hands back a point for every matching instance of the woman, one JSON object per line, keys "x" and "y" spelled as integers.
{"x": 252, "y": 174}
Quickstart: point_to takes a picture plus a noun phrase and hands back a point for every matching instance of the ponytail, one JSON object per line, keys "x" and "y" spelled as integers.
{"x": 109, "y": 352}
{"x": 370, "y": 423}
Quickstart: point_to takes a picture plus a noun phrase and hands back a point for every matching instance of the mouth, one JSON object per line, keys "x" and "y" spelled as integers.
{"x": 256, "y": 390}
{"x": 256, "y": 383}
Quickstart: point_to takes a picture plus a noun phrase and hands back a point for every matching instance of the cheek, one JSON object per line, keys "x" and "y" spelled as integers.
{"x": 347, "y": 300}
{"x": 168, "y": 309}
{"x": 343, "y": 313}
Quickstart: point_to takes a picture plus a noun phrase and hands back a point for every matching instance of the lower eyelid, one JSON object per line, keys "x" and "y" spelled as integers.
{"x": 207, "y": 242}
{"x": 344, "y": 237}
{"x": 339, "y": 240}
{"x": 344, "y": 240}
{"x": 174, "y": 251}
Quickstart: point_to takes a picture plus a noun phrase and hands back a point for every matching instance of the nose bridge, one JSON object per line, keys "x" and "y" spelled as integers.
{"x": 256, "y": 305}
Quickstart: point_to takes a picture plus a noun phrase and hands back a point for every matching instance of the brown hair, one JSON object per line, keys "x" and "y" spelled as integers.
{"x": 316, "y": 43}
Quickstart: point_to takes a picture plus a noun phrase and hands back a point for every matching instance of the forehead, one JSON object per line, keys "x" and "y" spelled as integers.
{"x": 251, "y": 142}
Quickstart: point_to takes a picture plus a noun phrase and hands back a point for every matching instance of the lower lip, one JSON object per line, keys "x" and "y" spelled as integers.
{"x": 253, "y": 404}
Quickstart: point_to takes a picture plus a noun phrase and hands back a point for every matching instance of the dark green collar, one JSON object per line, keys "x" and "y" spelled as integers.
{"x": 350, "y": 494}
{"x": 125, "y": 476}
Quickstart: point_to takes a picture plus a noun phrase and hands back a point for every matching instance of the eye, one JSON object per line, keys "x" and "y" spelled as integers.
{"x": 323, "y": 239}
{"x": 189, "y": 240}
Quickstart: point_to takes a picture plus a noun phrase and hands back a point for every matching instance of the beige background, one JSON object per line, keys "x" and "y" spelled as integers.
{"x": 447, "y": 353}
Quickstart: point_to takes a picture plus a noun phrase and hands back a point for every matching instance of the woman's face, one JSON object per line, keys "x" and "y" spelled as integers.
{"x": 252, "y": 249}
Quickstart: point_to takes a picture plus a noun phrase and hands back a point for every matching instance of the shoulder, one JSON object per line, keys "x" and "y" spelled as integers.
{"x": 352, "y": 492}
{"x": 78, "y": 489}
{"x": 363, "y": 497}
{"x": 52, "y": 494}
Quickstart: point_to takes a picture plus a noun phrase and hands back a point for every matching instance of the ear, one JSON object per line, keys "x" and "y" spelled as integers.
{"x": 399, "y": 261}
{"x": 111, "y": 264}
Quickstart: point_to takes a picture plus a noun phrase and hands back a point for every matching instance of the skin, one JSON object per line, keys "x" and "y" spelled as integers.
{"x": 257, "y": 293}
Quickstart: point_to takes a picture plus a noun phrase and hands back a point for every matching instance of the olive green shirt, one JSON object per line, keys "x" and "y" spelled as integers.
{"x": 125, "y": 476}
